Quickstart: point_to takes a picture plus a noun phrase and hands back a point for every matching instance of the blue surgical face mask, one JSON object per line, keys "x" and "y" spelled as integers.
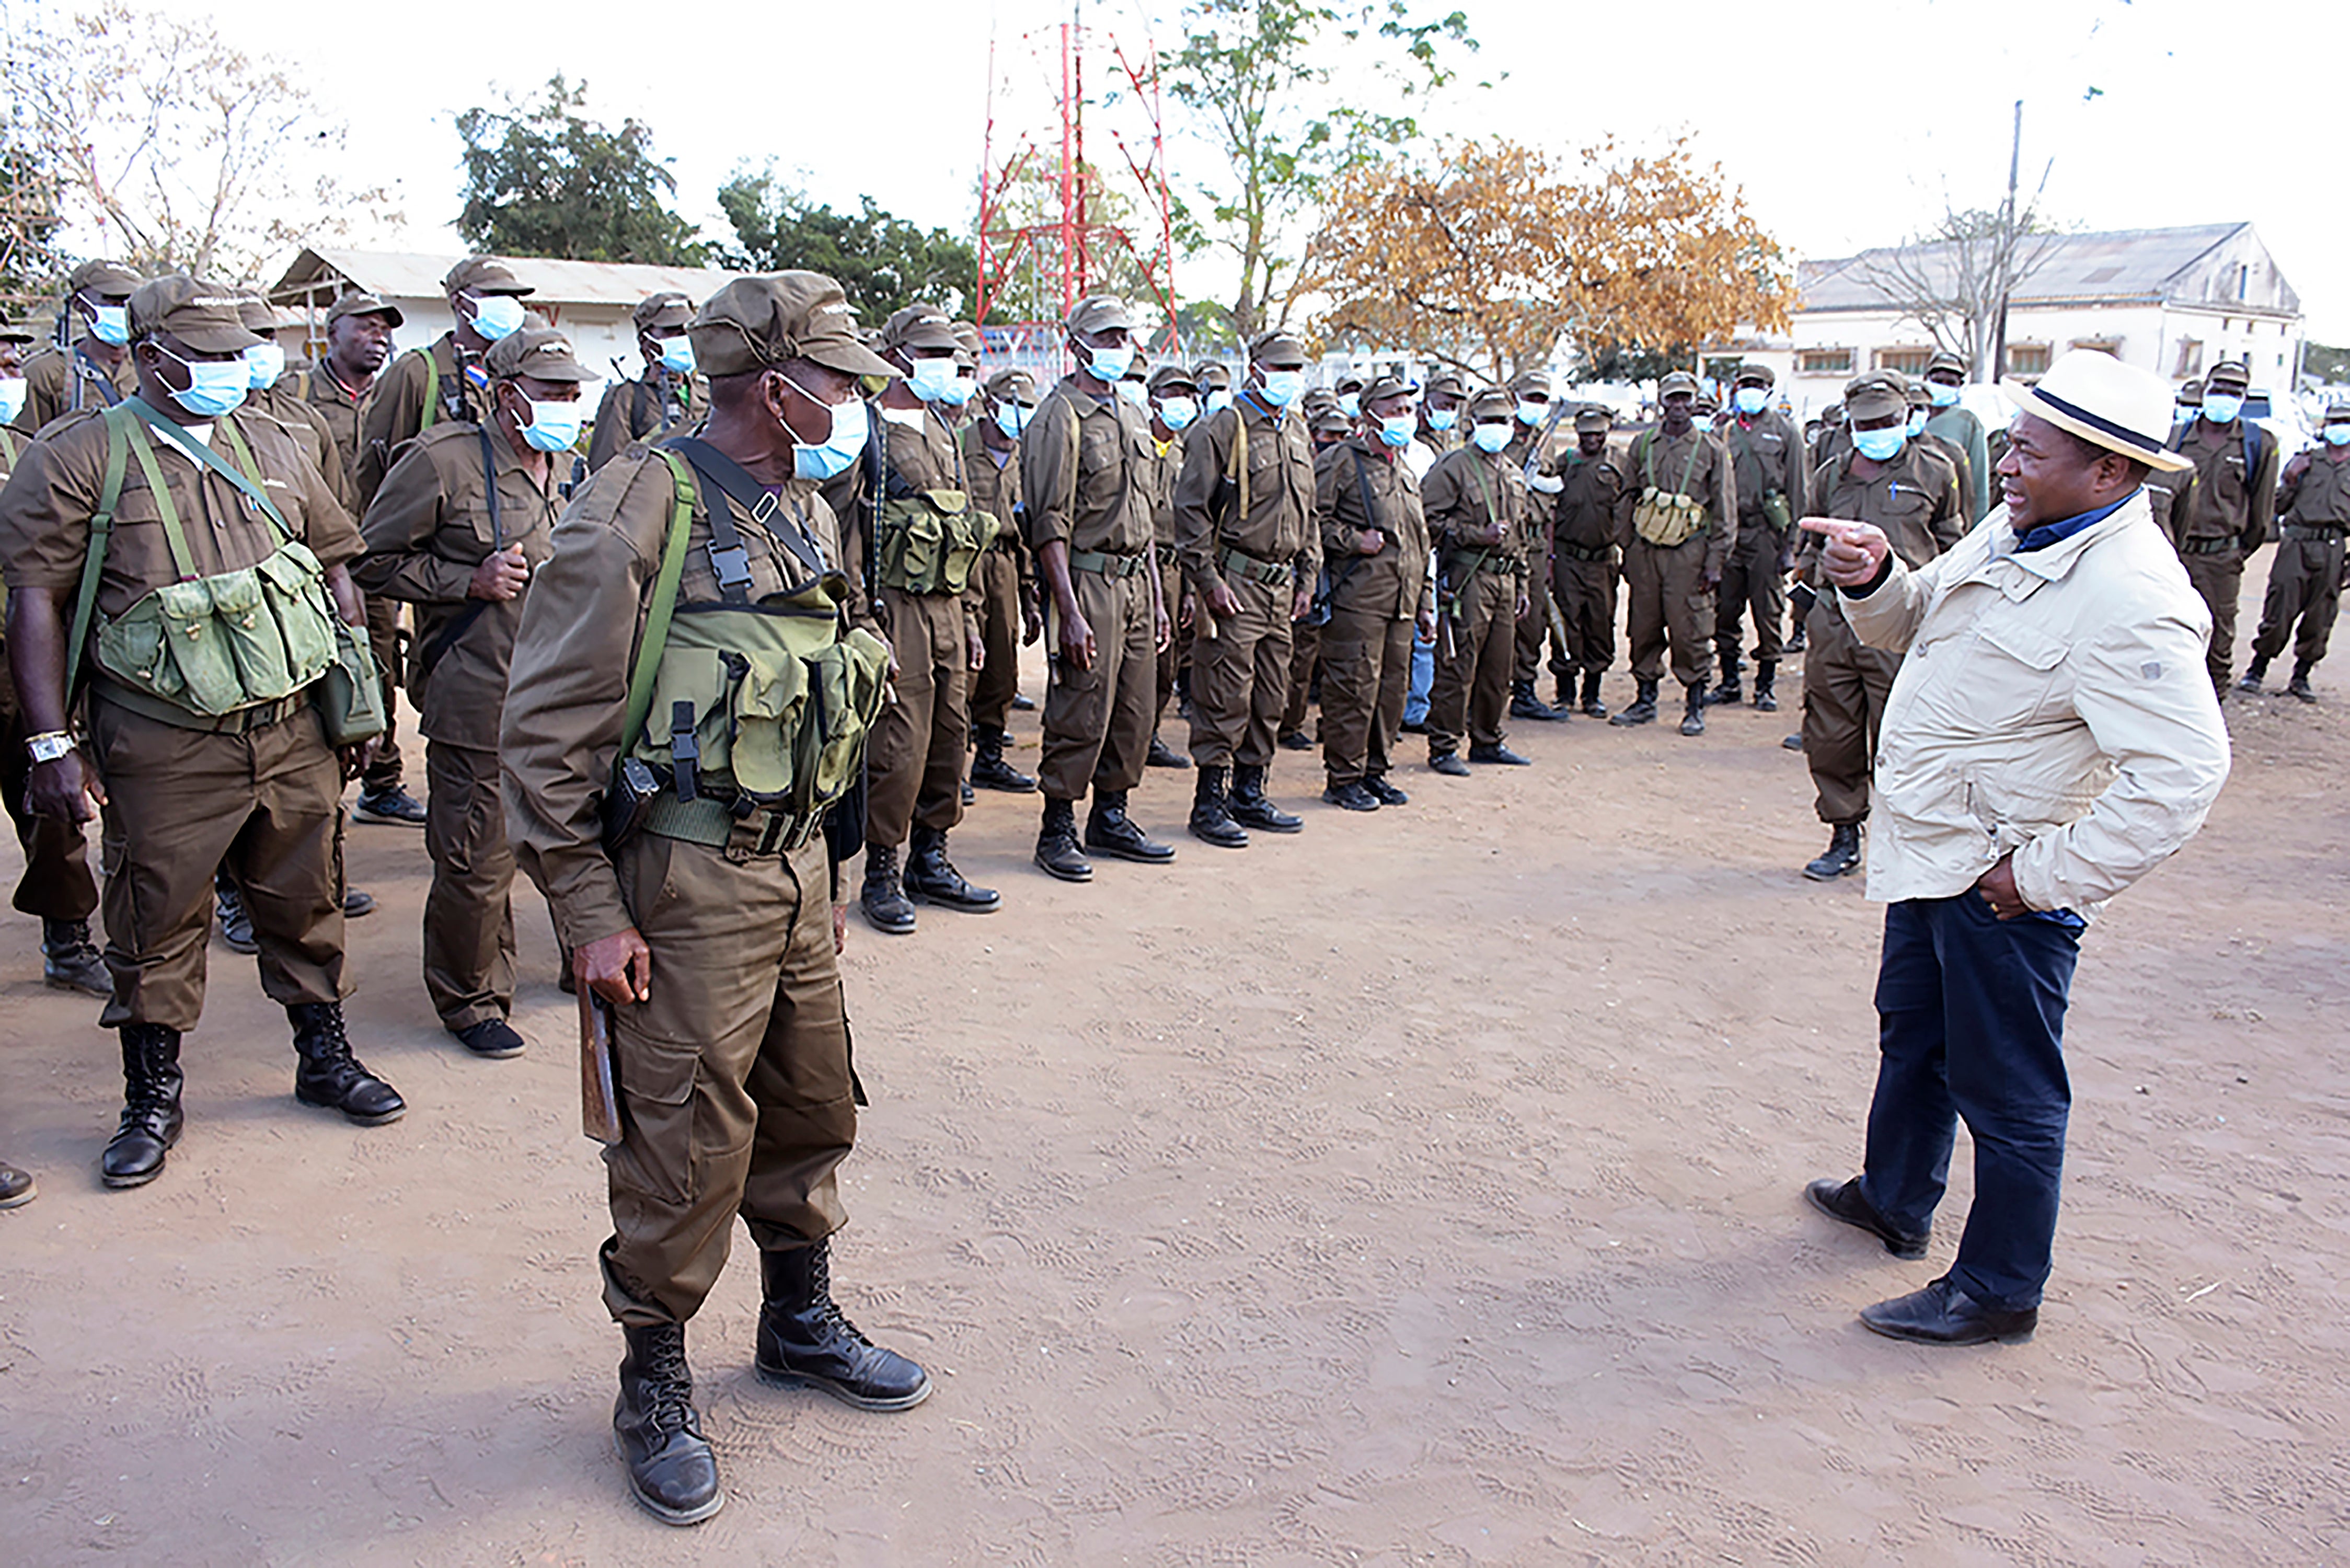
{"x": 1176, "y": 413}
{"x": 1111, "y": 364}
{"x": 1351, "y": 404}
{"x": 1443, "y": 419}
{"x": 12, "y": 399}
{"x": 1282, "y": 387}
{"x": 2336, "y": 435}
{"x": 110, "y": 324}
{"x": 2221, "y": 408}
{"x": 930, "y": 379}
{"x": 1750, "y": 399}
{"x": 1011, "y": 419}
{"x": 553, "y": 426}
{"x": 216, "y": 387}
{"x": 1490, "y": 437}
{"x": 1881, "y": 446}
{"x": 822, "y": 460}
{"x": 1136, "y": 392}
{"x": 2186, "y": 413}
{"x": 497, "y": 316}
{"x": 266, "y": 362}
{"x": 1219, "y": 399}
{"x": 1917, "y": 421}
{"x": 677, "y": 355}
{"x": 1702, "y": 422}
{"x": 1531, "y": 412}
{"x": 963, "y": 388}
{"x": 1941, "y": 396}
{"x": 1397, "y": 429}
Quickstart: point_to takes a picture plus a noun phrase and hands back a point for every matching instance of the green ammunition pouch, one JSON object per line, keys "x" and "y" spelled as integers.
{"x": 205, "y": 647}
{"x": 1667, "y": 518}
{"x": 930, "y": 539}
{"x": 1776, "y": 513}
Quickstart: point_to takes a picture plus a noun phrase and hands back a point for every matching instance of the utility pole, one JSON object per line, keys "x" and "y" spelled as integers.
{"x": 2007, "y": 250}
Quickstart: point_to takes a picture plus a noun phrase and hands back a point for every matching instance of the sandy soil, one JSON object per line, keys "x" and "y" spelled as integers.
{"x": 1424, "y": 1188}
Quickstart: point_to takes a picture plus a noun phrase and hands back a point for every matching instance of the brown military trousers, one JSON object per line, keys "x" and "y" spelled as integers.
{"x": 2304, "y": 586}
{"x": 469, "y": 933}
{"x": 1751, "y": 583}
{"x": 384, "y": 770}
{"x": 1304, "y": 661}
{"x": 1472, "y": 694}
{"x": 1585, "y": 592}
{"x": 1240, "y": 678}
{"x": 1669, "y": 603}
{"x": 56, "y": 884}
{"x": 1365, "y": 666}
{"x": 1177, "y": 651}
{"x": 734, "y": 1083}
{"x": 2220, "y": 580}
{"x": 1097, "y": 721}
{"x": 1542, "y": 623}
{"x": 998, "y": 680}
{"x": 1846, "y": 684}
{"x": 266, "y": 807}
{"x": 914, "y": 757}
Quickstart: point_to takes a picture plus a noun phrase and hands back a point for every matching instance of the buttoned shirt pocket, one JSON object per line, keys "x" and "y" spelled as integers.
{"x": 2015, "y": 672}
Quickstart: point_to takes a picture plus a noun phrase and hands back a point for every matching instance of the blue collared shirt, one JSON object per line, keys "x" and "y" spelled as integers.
{"x": 2049, "y": 534}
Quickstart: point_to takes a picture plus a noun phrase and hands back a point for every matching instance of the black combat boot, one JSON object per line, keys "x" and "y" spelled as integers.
{"x": 329, "y": 1076}
{"x": 1350, "y": 795}
{"x": 1383, "y": 792}
{"x": 932, "y": 878}
{"x": 1109, "y": 831}
{"x": 1498, "y": 754}
{"x": 1643, "y": 710}
{"x": 2299, "y": 685}
{"x": 1162, "y": 755}
{"x": 988, "y": 768}
{"x": 150, "y": 1106}
{"x": 2254, "y": 673}
{"x": 70, "y": 960}
{"x": 1524, "y": 704}
{"x": 1057, "y": 842}
{"x": 1693, "y": 716}
{"x": 1732, "y": 690}
{"x": 1211, "y": 817}
{"x": 671, "y": 1470}
{"x": 1250, "y": 806}
{"x": 1592, "y": 705}
{"x": 1766, "y": 686}
{"x": 236, "y": 925}
{"x": 883, "y": 897}
{"x": 1448, "y": 763}
{"x": 1794, "y": 643}
{"x": 805, "y": 1340}
{"x": 1562, "y": 688}
{"x": 1841, "y": 858}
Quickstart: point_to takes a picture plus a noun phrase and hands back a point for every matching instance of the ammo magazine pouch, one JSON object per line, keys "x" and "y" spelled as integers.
{"x": 929, "y": 540}
{"x": 1666, "y": 518}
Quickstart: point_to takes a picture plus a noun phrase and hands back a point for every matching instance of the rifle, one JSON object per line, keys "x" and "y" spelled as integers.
{"x": 1558, "y": 406}
{"x": 599, "y": 1100}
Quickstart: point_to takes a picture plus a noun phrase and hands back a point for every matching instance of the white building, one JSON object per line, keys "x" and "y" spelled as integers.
{"x": 2173, "y": 301}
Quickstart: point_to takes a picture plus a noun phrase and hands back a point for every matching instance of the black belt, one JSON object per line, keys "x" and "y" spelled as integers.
{"x": 1166, "y": 554}
{"x": 2206, "y": 547}
{"x": 1582, "y": 552}
{"x": 1239, "y": 563}
{"x": 244, "y": 721}
{"x": 2322, "y": 532}
{"x": 1107, "y": 563}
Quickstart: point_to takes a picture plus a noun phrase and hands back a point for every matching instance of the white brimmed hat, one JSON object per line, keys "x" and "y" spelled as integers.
{"x": 2095, "y": 395}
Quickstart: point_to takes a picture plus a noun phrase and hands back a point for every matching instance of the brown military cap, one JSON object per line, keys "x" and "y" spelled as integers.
{"x": 2191, "y": 392}
{"x": 541, "y": 353}
{"x": 1101, "y": 313}
{"x": 2232, "y": 373}
{"x": 1677, "y": 381}
{"x": 667, "y": 308}
{"x": 360, "y": 302}
{"x": 1329, "y": 422}
{"x": 12, "y": 332}
{"x": 1875, "y": 393}
{"x": 1012, "y": 387}
{"x": 1211, "y": 375}
{"x": 253, "y": 311}
{"x": 1278, "y": 350}
{"x": 919, "y": 327}
{"x": 1385, "y": 384}
{"x": 1320, "y": 399}
{"x": 206, "y": 317}
{"x": 484, "y": 275}
{"x": 106, "y": 279}
{"x": 766, "y": 320}
{"x": 1531, "y": 383}
{"x": 1347, "y": 381}
{"x": 968, "y": 340}
{"x": 1447, "y": 383}
{"x": 1172, "y": 377}
{"x": 1490, "y": 403}
{"x": 2337, "y": 409}
{"x": 1750, "y": 374}
{"x": 1919, "y": 398}
{"x": 1594, "y": 417}
{"x": 1137, "y": 369}
{"x": 1946, "y": 360}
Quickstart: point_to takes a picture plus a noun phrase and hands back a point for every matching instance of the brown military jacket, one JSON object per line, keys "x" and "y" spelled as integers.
{"x": 50, "y": 386}
{"x": 45, "y": 510}
{"x": 285, "y": 403}
{"x": 654, "y": 404}
{"x": 995, "y": 489}
{"x": 566, "y": 697}
{"x": 1523, "y": 437}
{"x": 396, "y": 412}
{"x": 1593, "y": 507}
{"x": 1464, "y": 494}
{"x": 1085, "y": 472}
{"x": 1280, "y": 525}
{"x": 1395, "y": 581}
{"x": 1916, "y": 498}
{"x": 345, "y": 416}
{"x": 427, "y": 529}
{"x": 2316, "y": 490}
{"x": 1658, "y": 459}
{"x": 2222, "y": 500}
{"x": 1766, "y": 454}
{"x": 1166, "y": 467}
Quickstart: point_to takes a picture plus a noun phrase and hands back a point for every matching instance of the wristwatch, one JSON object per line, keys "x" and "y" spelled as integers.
{"x": 49, "y": 748}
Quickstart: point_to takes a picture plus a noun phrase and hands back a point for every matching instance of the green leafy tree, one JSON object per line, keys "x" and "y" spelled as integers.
{"x": 544, "y": 180}
{"x": 882, "y": 262}
{"x": 30, "y": 262}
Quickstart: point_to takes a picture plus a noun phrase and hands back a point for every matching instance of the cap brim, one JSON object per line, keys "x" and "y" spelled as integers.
{"x": 2154, "y": 457}
{"x": 222, "y": 339}
{"x": 568, "y": 370}
{"x": 848, "y": 356}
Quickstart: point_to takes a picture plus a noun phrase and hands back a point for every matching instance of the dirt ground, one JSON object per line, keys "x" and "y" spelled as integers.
{"x": 1423, "y": 1189}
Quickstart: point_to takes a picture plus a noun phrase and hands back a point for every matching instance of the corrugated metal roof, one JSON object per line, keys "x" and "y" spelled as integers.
{"x": 2115, "y": 266}
{"x": 414, "y": 274}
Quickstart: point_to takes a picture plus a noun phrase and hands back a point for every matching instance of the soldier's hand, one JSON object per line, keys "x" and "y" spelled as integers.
{"x": 976, "y": 647}
{"x": 67, "y": 789}
{"x": 500, "y": 576}
{"x": 619, "y": 968}
{"x": 1076, "y": 640}
{"x": 1710, "y": 577}
{"x": 1190, "y": 612}
{"x": 1301, "y": 604}
{"x": 1855, "y": 552}
{"x": 354, "y": 757}
{"x": 1525, "y": 606}
{"x": 1370, "y": 542}
{"x": 1426, "y": 625}
{"x": 1223, "y": 601}
{"x": 839, "y": 929}
{"x": 1162, "y": 629}
{"x": 1032, "y": 623}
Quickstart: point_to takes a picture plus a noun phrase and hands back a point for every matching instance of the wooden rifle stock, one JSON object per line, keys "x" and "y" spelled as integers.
{"x": 599, "y": 1099}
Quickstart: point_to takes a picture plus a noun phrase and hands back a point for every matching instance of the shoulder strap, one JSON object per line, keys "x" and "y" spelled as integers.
{"x": 1644, "y": 453}
{"x": 432, "y": 392}
{"x": 101, "y": 530}
{"x": 1363, "y": 483}
{"x": 249, "y": 483}
{"x": 8, "y": 448}
{"x": 490, "y": 487}
{"x": 664, "y": 605}
{"x": 1236, "y": 470}
{"x": 727, "y": 556}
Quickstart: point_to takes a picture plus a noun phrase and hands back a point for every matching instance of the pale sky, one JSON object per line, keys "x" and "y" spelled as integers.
{"x": 1845, "y": 120}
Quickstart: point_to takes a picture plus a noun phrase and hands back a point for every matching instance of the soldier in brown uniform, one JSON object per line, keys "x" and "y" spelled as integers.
{"x": 1591, "y": 525}
{"x": 709, "y": 931}
{"x": 341, "y": 387}
{"x": 1375, "y": 536}
{"x": 1084, "y": 467}
{"x": 1002, "y": 596}
{"x": 1475, "y": 500}
{"x": 1245, "y": 532}
{"x": 443, "y": 379}
{"x": 1923, "y": 432}
{"x": 216, "y": 751}
{"x": 457, "y": 527}
{"x": 2223, "y": 512}
{"x": 95, "y": 370}
{"x": 1954, "y": 423}
{"x": 1770, "y": 468}
{"x": 667, "y": 396}
{"x": 2305, "y": 578}
{"x": 1671, "y": 584}
{"x": 1911, "y": 491}
{"x": 1529, "y": 449}
{"x": 1174, "y": 407}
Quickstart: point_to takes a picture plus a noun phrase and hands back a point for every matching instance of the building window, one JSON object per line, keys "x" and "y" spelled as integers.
{"x": 1823, "y": 362}
{"x": 1908, "y": 361}
{"x": 2027, "y": 358}
{"x": 2191, "y": 357}
{"x": 2112, "y": 346}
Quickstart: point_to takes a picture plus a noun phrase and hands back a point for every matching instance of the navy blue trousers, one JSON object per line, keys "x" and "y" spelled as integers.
{"x": 1970, "y": 1024}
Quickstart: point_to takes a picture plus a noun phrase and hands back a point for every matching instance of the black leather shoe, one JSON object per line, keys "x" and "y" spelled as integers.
{"x": 1162, "y": 755}
{"x": 671, "y": 1471}
{"x": 357, "y": 904}
{"x": 969, "y": 795}
{"x": 1729, "y": 693}
{"x": 1643, "y": 710}
{"x": 1449, "y": 764}
{"x": 1023, "y": 703}
{"x": 1841, "y": 858}
{"x": 1843, "y": 1201}
{"x": 1109, "y": 831}
{"x": 150, "y": 1106}
{"x": 1415, "y": 726}
{"x": 1792, "y": 743}
{"x": 932, "y": 878}
{"x": 1591, "y": 706}
{"x": 1693, "y": 715}
{"x": 1212, "y": 814}
{"x": 1056, "y": 843}
{"x": 236, "y": 925}
{"x": 492, "y": 1037}
{"x": 1794, "y": 643}
{"x": 1524, "y": 704}
{"x": 1350, "y": 795}
{"x": 2299, "y": 687}
{"x": 16, "y": 1189}
{"x": 806, "y": 1342}
{"x": 1942, "y": 1314}
{"x": 71, "y": 961}
{"x": 329, "y": 1076}
{"x": 1383, "y": 792}
{"x": 1766, "y": 687}
{"x": 883, "y": 896}
{"x": 1250, "y": 806}
{"x": 1297, "y": 741}
{"x": 1500, "y": 754}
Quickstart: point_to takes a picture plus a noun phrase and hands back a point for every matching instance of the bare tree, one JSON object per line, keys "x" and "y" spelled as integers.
{"x": 1954, "y": 279}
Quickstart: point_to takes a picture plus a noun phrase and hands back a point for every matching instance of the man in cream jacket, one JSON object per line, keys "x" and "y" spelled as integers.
{"x": 2051, "y": 738}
